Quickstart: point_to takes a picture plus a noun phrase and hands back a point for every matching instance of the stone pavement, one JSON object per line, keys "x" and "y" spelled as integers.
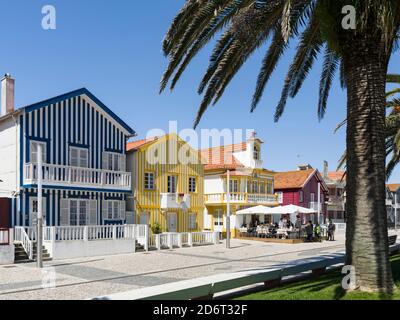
{"x": 90, "y": 277}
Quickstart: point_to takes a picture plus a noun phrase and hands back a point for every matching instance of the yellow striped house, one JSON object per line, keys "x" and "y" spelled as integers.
{"x": 167, "y": 183}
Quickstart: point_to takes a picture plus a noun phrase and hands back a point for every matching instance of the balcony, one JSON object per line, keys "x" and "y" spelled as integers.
{"x": 241, "y": 198}
{"x": 175, "y": 201}
{"x": 59, "y": 175}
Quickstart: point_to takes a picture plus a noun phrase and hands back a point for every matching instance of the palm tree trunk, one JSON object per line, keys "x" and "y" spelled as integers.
{"x": 365, "y": 63}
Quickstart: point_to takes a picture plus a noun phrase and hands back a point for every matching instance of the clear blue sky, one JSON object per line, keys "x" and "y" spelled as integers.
{"x": 113, "y": 48}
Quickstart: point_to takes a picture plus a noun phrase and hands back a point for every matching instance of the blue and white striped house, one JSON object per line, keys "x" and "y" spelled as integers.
{"x": 84, "y": 177}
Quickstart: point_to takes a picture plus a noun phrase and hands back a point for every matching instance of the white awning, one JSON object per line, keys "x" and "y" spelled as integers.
{"x": 255, "y": 210}
{"x": 290, "y": 209}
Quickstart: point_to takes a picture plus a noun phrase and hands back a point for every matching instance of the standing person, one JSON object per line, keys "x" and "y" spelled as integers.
{"x": 331, "y": 230}
{"x": 309, "y": 231}
{"x": 318, "y": 232}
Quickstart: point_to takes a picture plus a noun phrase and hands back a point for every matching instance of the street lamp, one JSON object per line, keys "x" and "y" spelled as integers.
{"x": 228, "y": 211}
{"x": 39, "y": 240}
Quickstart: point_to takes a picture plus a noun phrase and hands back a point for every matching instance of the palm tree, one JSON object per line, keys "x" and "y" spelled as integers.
{"x": 392, "y": 127}
{"x": 362, "y": 56}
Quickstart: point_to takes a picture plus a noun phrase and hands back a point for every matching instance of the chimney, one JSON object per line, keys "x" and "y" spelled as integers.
{"x": 7, "y": 94}
{"x": 325, "y": 169}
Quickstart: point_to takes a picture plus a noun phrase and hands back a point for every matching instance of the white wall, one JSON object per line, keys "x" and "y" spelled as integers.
{"x": 207, "y": 222}
{"x": 9, "y": 154}
{"x": 7, "y": 254}
{"x": 80, "y": 249}
{"x": 213, "y": 184}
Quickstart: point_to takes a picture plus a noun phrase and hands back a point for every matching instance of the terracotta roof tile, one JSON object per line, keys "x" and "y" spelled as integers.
{"x": 337, "y": 175}
{"x": 134, "y": 145}
{"x": 222, "y": 157}
{"x": 292, "y": 179}
{"x": 393, "y": 187}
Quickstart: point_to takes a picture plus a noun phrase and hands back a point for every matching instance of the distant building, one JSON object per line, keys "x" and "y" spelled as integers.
{"x": 166, "y": 191}
{"x": 250, "y": 184}
{"x": 83, "y": 154}
{"x": 393, "y": 203}
{"x": 300, "y": 188}
{"x": 336, "y": 200}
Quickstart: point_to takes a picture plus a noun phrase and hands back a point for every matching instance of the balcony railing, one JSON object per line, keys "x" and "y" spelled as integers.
{"x": 175, "y": 201}
{"x": 60, "y": 175}
{"x": 241, "y": 198}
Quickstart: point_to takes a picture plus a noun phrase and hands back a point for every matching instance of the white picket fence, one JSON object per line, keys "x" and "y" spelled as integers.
{"x": 172, "y": 240}
{"x": 21, "y": 236}
{"x": 71, "y": 236}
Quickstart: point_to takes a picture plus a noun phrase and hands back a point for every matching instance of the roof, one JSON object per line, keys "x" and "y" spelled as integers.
{"x": 222, "y": 157}
{"x": 134, "y": 145}
{"x": 337, "y": 175}
{"x": 73, "y": 94}
{"x": 393, "y": 187}
{"x": 292, "y": 179}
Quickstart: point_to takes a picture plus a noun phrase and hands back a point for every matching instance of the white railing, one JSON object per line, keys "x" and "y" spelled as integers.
{"x": 90, "y": 233}
{"x": 20, "y": 236}
{"x": 340, "y": 227}
{"x": 262, "y": 198}
{"x": 171, "y": 240}
{"x": 201, "y": 238}
{"x": 5, "y": 236}
{"x": 61, "y": 175}
{"x": 174, "y": 201}
{"x": 242, "y": 197}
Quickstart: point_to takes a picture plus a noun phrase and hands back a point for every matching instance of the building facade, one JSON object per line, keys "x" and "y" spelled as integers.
{"x": 393, "y": 204}
{"x": 249, "y": 184}
{"x": 336, "y": 199}
{"x": 167, "y": 184}
{"x": 84, "y": 158}
{"x": 300, "y": 188}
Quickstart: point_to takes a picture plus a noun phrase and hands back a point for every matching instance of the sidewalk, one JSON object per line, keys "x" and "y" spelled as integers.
{"x": 86, "y": 278}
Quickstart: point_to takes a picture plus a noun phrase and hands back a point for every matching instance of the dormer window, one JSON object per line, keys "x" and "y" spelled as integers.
{"x": 256, "y": 153}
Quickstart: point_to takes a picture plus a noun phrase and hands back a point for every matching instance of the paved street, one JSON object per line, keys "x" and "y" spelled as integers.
{"x": 90, "y": 277}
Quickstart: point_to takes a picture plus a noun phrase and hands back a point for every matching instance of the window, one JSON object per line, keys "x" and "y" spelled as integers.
{"x": 149, "y": 181}
{"x": 114, "y": 210}
{"x": 256, "y": 153}
{"x": 312, "y": 197}
{"x": 192, "y": 184}
{"x": 255, "y": 187}
{"x": 78, "y": 212}
{"x": 280, "y": 196}
{"x": 233, "y": 186}
{"x": 34, "y": 151}
{"x": 172, "y": 182}
{"x": 262, "y": 188}
{"x": 114, "y": 161}
{"x": 144, "y": 218}
{"x": 269, "y": 187}
{"x": 192, "y": 221}
{"x": 248, "y": 186}
{"x": 33, "y": 209}
{"x": 301, "y": 196}
{"x": 78, "y": 157}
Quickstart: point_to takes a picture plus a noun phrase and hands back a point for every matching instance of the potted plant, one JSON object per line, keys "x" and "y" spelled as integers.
{"x": 156, "y": 228}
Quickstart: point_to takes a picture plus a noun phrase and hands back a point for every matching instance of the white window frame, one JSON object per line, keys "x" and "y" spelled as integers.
{"x": 33, "y": 213}
{"x": 192, "y": 184}
{"x": 192, "y": 221}
{"x": 172, "y": 183}
{"x": 117, "y": 163}
{"x": 280, "y": 196}
{"x": 255, "y": 186}
{"x": 312, "y": 197}
{"x": 301, "y": 196}
{"x": 79, "y": 205}
{"x": 33, "y": 154}
{"x": 80, "y": 160}
{"x": 149, "y": 180}
{"x": 117, "y": 212}
{"x": 233, "y": 185}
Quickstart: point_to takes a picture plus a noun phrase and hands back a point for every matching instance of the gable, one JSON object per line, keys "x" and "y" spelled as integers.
{"x": 94, "y": 102}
